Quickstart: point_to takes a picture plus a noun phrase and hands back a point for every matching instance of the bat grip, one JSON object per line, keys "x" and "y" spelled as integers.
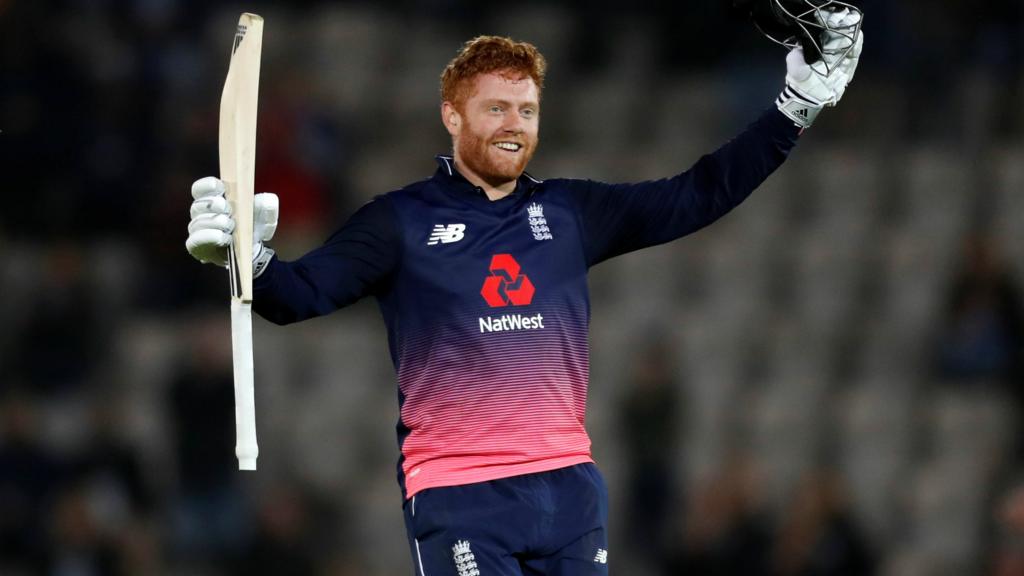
{"x": 246, "y": 448}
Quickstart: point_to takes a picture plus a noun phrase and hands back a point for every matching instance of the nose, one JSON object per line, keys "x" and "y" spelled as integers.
{"x": 513, "y": 124}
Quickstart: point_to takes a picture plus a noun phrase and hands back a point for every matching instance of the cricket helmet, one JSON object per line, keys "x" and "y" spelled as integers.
{"x": 803, "y": 23}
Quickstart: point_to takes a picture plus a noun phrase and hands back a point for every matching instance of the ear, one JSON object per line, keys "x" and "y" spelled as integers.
{"x": 451, "y": 118}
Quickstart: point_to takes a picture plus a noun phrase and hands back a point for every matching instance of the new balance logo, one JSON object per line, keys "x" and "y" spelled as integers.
{"x": 602, "y": 556}
{"x": 446, "y": 234}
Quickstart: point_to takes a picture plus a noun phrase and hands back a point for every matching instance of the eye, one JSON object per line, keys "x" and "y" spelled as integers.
{"x": 528, "y": 112}
{"x": 495, "y": 109}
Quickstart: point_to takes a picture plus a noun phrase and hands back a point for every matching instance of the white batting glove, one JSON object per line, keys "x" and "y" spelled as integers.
{"x": 209, "y": 232}
{"x": 811, "y": 87}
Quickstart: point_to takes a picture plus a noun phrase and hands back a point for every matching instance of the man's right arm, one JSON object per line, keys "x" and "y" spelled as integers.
{"x": 357, "y": 260}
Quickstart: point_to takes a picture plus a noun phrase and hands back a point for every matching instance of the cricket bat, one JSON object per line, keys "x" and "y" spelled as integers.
{"x": 238, "y": 105}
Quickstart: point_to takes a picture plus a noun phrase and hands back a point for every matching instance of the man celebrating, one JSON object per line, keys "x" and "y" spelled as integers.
{"x": 480, "y": 273}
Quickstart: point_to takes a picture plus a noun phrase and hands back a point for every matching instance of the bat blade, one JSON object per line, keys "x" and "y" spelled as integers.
{"x": 238, "y": 107}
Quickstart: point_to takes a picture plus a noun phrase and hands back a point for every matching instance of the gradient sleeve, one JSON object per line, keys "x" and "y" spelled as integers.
{"x": 356, "y": 261}
{"x": 620, "y": 218}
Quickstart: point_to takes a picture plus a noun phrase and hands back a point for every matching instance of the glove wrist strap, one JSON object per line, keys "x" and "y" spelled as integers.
{"x": 262, "y": 259}
{"x": 801, "y": 110}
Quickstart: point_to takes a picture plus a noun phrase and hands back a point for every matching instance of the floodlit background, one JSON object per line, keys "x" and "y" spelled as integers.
{"x": 826, "y": 382}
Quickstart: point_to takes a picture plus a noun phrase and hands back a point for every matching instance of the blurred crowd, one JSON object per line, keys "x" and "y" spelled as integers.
{"x": 826, "y": 383}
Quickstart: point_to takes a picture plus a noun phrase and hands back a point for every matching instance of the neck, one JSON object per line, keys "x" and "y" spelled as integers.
{"x": 493, "y": 190}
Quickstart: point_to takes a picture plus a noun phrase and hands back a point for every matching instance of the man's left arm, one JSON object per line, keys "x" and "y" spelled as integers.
{"x": 620, "y": 218}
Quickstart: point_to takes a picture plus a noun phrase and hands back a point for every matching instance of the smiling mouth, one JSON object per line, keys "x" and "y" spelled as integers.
{"x": 508, "y": 146}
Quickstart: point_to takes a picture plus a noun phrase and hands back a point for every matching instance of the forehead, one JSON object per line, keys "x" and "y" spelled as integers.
{"x": 509, "y": 86}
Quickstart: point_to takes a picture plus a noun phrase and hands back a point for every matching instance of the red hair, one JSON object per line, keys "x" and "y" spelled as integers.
{"x": 486, "y": 54}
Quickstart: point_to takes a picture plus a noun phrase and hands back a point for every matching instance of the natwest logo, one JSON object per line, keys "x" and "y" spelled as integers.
{"x": 506, "y": 286}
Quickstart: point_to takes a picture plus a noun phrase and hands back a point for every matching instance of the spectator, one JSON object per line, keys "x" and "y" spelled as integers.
{"x": 818, "y": 536}
{"x": 209, "y": 514}
{"x": 1008, "y": 556}
{"x": 726, "y": 533}
{"x": 79, "y": 547}
{"x": 27, "y": 474}
{"x": 650, "y": 411}
{"x": 110, "y": 458}
{"x": 50, "y": 356}
{"x": 283, "y": 539}
{"x": 981, "y": 339}
{"x": 982, "y": 336}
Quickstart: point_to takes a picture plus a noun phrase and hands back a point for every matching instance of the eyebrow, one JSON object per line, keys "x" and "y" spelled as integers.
{"x": 509, "y": 103}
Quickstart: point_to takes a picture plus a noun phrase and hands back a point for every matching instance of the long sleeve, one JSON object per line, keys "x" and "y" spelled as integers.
{"x": 620, "y": 218}
{"x": 356, "y": 261}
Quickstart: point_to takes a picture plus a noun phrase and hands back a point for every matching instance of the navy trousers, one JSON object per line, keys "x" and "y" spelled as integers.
{"x": 549, "y": 523}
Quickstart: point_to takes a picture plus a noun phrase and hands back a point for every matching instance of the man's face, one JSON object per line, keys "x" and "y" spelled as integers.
{"x": 495, "y": 132}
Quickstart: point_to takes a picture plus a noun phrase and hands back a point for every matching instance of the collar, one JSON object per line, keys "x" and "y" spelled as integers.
{"x": 525, "y": 184}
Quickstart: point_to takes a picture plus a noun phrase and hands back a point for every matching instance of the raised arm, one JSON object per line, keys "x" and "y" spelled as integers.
{"x": 619, "y": 218}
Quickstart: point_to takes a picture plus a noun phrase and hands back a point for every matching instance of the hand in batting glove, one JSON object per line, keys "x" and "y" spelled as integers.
{"x": 811, "y": 87}
{"x": 209, "y": 232}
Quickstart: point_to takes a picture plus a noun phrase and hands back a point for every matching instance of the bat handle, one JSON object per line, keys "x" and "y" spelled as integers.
{"x": 245, "y": 403}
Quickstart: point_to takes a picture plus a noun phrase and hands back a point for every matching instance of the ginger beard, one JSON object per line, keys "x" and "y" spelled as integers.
{"x": 494, "y": 165}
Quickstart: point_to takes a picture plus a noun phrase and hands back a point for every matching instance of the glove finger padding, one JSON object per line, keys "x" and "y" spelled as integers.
{"x": 843, "y": 73}
{"x": 839, "y": 19}
{"x": 858, "y": 47}
{"x": 809, "y": 88}
{"x": 210, "y": 205}
{"x": 836, "y": 45}
{"x": 823, "y": 83}
{"x": 207, "y": 187}
{"x": 797, "y": 69}
{"x": 220, "y": 222}
{"x": 209, "y": 246}
{"x": 266, "y": 207}
{"x": 211, "y": 225}
{"x": 839, "y": 80}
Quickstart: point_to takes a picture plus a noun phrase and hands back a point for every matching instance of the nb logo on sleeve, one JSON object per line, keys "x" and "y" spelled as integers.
{"x": 446, "y": 234}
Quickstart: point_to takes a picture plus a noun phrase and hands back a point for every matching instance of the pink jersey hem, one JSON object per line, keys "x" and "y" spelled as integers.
{"x": 422, "y": 481}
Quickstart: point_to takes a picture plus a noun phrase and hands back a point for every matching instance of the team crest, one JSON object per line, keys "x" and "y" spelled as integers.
{"x": 465, "y": 561}
{"x": 538, "y": 224}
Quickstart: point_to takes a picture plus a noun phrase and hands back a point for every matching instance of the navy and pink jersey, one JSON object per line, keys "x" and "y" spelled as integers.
{"x": 486, "y": 302}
